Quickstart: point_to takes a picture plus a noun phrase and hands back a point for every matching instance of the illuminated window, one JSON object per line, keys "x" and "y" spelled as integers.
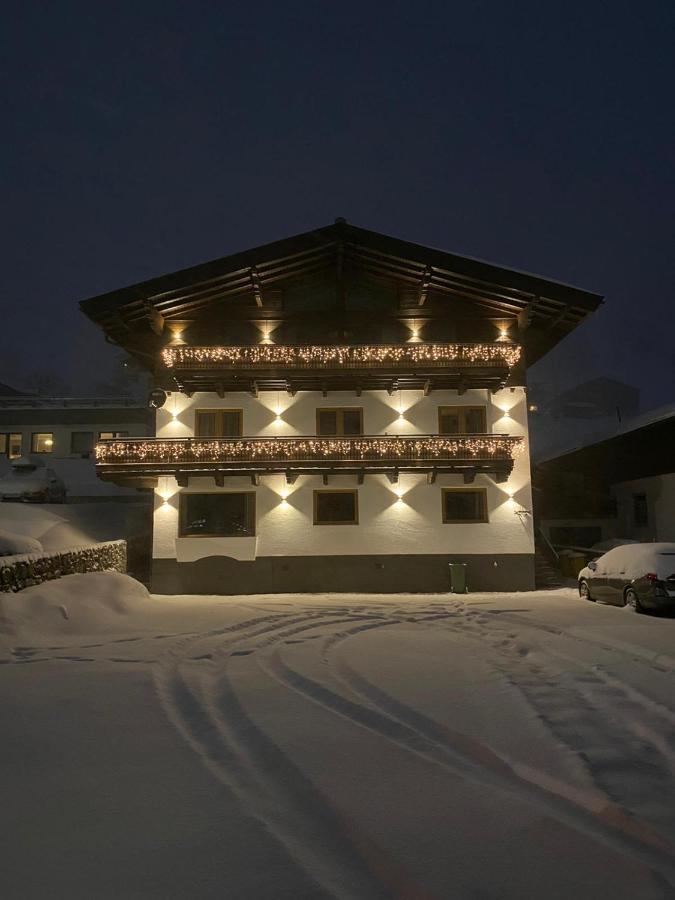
{"x": 464, "y": 505}
{"x": 81, "y": 442}
{"x": 336, "y": 508}
{"x": 14, "y": 445}
{"x": 461, "y": 420}
{"x": 217, "y": 423}
{"x": 339, "y": 421}
{"x": 42, "y": 442}
{"x": 112, "y": 435}
{"x": 217, "y": 515}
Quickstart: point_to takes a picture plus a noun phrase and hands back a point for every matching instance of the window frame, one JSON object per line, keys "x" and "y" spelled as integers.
{"x": 354, "y": 491}
{"x": 10, "y": 435}
{"x": 118, "y": 435}
{"x": 217, "y": 410}
{"x": 461, "y": 410}
{"x": 339, "y": 411}
{"x": 33, "y": 441}
{"x": 182, "y": 512}
{"x": 465, "y": 490}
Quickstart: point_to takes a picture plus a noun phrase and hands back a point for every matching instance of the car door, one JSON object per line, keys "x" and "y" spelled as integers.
{"x": 598, "y": 581}
{"x": 617, "y": 578}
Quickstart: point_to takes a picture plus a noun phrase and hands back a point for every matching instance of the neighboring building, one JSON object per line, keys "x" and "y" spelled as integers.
{"x": 621, "y": 486}
{"x": 338, "y": 411}
{"x": 63, "y": 431}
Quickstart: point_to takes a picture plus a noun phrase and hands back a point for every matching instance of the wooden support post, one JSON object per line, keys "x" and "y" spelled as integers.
{"x": 324, "y": 389}
{"x": 219, "y": 478}
{"x": 358, "y": 389}
{"x": 431, "y": 476}
{"x": 290, "y": 389}
{"x": 291, "y": 477}
{"x": 393, "y": 476}
{"x": 254, "y": 388}
{"x": 469, "y": 476}
{"x": 220, "y": 389}
{"x": 425, "y": 284}
{"x": 257, "y": 289}
{"x": 461, "y": 385}
{"x": 391, "y": 387}
{"x": 325, "y": 478}
{"x": 361, "y": 476}
{"x": 428, "y": 387}
{"x": 181, "y": 479}
{"x": 255, "y": 479}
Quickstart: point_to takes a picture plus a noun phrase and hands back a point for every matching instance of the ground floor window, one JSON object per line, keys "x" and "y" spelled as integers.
{"x": 10, "y": 445}
{"x": 217, "y": 515}
{"x": 42, "y": 442}
{"x": 464, "y": 505}
{"x": 640, "y": 510}
{"x": 81, "y": 441}
{"x": 336, "y": 508}
{"x": 112, "y": 435}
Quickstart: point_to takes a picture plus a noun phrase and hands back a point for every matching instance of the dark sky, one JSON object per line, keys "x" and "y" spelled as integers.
{"x": 141, "y": 138}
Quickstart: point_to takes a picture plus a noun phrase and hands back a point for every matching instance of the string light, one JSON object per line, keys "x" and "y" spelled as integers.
{"x": 190, "y": 450}
{"x": 262, "y": 356}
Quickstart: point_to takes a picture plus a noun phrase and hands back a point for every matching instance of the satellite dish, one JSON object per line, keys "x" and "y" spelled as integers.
{"x": 157, "y": 398}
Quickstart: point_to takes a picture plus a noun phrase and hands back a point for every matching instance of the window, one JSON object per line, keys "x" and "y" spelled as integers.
{"x": 336, "y": 508}
{"x": 42, "y": 442}
{"x": 640, "y": 511}
{"x": 464, "y": 505}
{"x": 112, "y": 435}
{"x": 81, "y": 442}
{"x": 217, "y": 515}
{"x": 15, "y": 445}
{"x": 217, "y": 423}
{"x": 461, "y": 420}
{"x": 339, "y": 421}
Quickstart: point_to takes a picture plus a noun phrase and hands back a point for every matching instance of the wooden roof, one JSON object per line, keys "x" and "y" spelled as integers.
{"x": 342, "y": 248}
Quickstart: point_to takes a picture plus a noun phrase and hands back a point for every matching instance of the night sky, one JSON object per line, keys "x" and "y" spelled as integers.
{"x": 142, "y": 138}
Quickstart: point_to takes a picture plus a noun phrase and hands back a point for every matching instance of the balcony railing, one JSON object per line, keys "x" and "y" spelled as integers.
{"x": 376, "y": 366}
{"x": 488, "y": 453}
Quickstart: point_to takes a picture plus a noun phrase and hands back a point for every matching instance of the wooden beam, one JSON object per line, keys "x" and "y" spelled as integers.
{"x": 526, "y": 315}
{"x": 556, "y": 320}
{"x": 461, "y": 385}
{"x": 391, "y": 387}
{"x": 469, "y": 476}
{"x": 220, "y": 390}
{"x": 501, "y": 477}
{"x": 361, "y": 477}
{"x": 358, "y": 390}
{"x": 219, "y": 479}
{"x": 428, "y": 388}
{"x": 393, "y": 476}
{"x": 254, "y": 388}
{"x": 325, "y": 478}
{"x": 290, "y": 389}
{"x": 255, "y": 479}
{"x": 324, "y": 389}
{"x": 154, "y": 317}
{"x": 291, "y": 477}
{"x": 425, "y": 284}
{"x": 431, "y": 476}
{"x": 182, "y": 479}
{"x": 257, "y": 289}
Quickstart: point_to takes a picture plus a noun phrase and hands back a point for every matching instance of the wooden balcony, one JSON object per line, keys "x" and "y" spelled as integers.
{"x": 141, "y": 461}
{"x": 339, "y": 368}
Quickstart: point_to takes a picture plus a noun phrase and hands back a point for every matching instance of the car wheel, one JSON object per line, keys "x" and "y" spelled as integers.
{"x": 633, "y": 601}
{"x": 585, "y": 591}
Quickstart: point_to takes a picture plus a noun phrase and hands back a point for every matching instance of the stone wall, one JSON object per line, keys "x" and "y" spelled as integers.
{"x": 19, "y": 572}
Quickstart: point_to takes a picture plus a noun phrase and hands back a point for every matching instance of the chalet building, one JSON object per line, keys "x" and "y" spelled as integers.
{"x": 337, "y": 411}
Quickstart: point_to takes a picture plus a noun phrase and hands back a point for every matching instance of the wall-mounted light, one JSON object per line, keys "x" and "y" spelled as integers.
{"x": 533, "y": 407}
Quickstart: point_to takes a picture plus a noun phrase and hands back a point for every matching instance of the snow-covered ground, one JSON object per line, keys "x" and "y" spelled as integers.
{"x": 348, "y": 746}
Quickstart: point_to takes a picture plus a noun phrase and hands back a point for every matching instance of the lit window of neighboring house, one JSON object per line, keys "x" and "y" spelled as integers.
{"x": 42, "y": 442}
{"x": 215, "y": 423}
{"x": 10, "y": 445}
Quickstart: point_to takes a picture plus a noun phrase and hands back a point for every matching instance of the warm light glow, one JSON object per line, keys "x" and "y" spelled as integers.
{"x": 533, "y": 407}
{"x": 262, "y": 356}
{"x": 48, "y": 442}
{"x": 283, "y": 449}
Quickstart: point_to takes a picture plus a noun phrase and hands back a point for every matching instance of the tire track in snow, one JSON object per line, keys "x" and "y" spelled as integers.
{"x": 201, "y": 703}
{"x": 468, "y": 758}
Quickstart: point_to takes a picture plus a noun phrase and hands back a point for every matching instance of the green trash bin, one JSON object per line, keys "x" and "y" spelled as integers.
{"x": 458, "y": 578}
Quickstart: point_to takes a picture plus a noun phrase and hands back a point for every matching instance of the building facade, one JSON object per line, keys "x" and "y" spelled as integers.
{"x": 338, "y": 411}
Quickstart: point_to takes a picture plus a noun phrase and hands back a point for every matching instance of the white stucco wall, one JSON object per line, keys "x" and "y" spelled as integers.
{"x": 660, "y": 494}
{"x": 393, "y": 519}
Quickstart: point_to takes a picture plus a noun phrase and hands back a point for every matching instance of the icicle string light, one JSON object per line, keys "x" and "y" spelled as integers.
{"x": 223, "y": 450}
{"x": 300, "y": 357}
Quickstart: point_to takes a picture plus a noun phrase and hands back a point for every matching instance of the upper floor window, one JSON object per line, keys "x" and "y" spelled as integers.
{"x": 461, "y": 420}
{"x": 339, "y": 421}
{"x": 215, "y": 423}
{"x": 42, "y": 442}
{"x": 336, "y": 507}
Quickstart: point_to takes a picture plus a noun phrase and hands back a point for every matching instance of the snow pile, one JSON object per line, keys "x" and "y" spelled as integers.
{"x": 58, "y": 527}
{"x": 18, "y": 544}
{"x": 74, "y": 604}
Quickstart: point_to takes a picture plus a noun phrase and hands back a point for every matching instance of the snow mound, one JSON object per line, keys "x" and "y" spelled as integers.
{"x": 18, "y": 544}
{"x": 74, "y": 604}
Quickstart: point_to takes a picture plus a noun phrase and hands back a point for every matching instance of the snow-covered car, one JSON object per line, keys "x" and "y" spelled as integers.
{"x": 638, "y": 575}
{"x": 31, "y": 481}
